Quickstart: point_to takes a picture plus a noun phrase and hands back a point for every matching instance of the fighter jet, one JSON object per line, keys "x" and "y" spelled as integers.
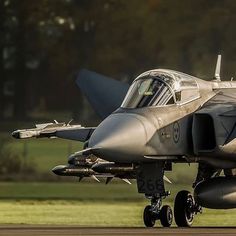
{"x": 163, "y": 117}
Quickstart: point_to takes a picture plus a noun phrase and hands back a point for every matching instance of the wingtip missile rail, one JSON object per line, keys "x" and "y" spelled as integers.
{"x": 55, "y": 130}
{"x": 39, "y": 131}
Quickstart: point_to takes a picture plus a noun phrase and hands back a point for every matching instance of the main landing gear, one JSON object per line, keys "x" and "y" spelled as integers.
{"x": 185, "y": 209}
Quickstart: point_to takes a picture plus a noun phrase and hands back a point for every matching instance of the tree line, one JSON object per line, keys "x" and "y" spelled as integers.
{"x": 43, "y": 44}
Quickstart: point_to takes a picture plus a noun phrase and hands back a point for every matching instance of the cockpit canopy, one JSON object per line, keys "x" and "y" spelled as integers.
{"x": 161, "y": 88}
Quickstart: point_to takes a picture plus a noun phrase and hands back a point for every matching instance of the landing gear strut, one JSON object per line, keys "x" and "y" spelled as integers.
{"x": 155, "y": 212}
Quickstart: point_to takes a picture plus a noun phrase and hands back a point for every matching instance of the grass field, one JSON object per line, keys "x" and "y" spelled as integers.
{"x": 44, "y": 153}
{"x": 87, "y": 204}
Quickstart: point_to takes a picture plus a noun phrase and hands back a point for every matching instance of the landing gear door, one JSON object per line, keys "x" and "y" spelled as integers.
{"x": 150, "y": 178}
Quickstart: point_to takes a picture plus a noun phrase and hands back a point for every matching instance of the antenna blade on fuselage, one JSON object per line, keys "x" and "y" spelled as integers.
{"x": 218, "y": 67}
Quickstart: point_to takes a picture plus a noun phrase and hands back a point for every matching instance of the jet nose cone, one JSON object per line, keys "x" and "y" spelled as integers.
{"x": 120, "y": 137}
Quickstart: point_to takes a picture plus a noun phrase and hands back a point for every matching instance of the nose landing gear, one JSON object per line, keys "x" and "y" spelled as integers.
{"x": 155, "y": 212}
{"x": 166, "y": 216}
{"x": 150, "y": 182}
{"x": 149, "y": 216}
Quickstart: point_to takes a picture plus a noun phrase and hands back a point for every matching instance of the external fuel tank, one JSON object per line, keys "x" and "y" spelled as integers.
{"x": 216, "y": 193}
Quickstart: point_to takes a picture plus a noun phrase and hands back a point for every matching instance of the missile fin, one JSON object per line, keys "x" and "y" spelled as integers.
{"x": 167, "y": 180}
{"x": 127, "y": 181}
{"x": 69, "y": 122}
{"x": 95, "y": 178}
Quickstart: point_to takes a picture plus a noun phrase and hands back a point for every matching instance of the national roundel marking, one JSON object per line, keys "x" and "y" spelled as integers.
{"x": 176, "y": 132}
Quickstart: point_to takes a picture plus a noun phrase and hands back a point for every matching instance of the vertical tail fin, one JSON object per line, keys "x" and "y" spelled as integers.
{"x": 104, "y": 94}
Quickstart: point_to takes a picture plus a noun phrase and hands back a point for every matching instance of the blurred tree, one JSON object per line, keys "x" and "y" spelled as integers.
{"x": 2, "y": 71}
{"x": 37, "y": 50}
{"x": 20, "y": 42}
{"x": 46, "y": 42}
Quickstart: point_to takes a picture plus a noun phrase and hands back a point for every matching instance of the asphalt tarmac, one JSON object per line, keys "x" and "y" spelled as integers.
{"x": 26, "y": 230}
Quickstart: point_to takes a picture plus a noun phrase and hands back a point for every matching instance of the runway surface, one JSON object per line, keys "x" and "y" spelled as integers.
{"x": 26, "y": 230}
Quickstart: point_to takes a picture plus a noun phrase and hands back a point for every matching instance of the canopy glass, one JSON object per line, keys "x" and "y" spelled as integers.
{"x": 161, "y": 89}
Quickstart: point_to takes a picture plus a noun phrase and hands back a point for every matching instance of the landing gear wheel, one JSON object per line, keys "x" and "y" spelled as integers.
{"x": 166, "y": 216}
{"x": 148, "y": 217}
{"x": 183, "y": 209}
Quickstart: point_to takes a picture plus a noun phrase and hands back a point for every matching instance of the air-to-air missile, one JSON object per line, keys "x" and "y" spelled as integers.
{"x": 89, "y": 166}
{"x": 70, "y": 170}
{"x": 54, "y": 130}
{"x": 37, "y": 131}
{"x": 114, "y": 168}
{"x": 86, "y": 171}
{"x": 81, "y": 166}
{"x": 78, "y": 165}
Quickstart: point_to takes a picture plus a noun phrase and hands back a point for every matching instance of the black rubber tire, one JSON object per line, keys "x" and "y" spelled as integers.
{"x": 182, "y": 213}
{"x": 166, "y": 216}
{"x": 148, "y": 218}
